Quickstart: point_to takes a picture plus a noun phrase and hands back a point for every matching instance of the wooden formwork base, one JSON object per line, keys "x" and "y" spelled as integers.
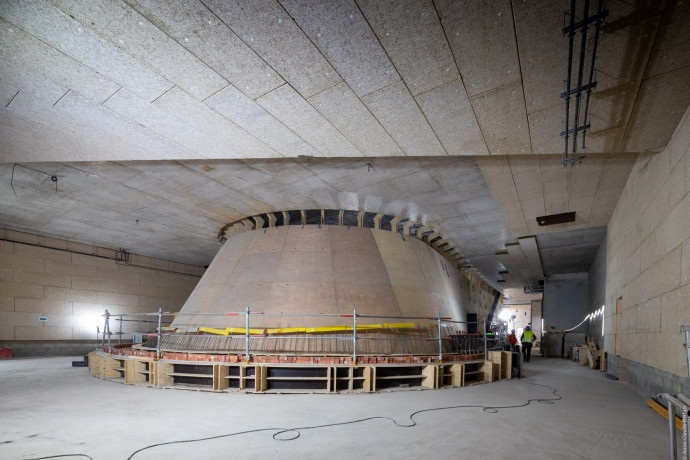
{"x": 286, "y": 378}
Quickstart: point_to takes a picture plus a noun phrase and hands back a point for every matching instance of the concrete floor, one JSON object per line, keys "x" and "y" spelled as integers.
{"x": 49, "y": 408}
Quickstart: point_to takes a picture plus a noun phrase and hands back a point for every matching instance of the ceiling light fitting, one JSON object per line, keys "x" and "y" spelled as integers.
{"x": 570, "y": 157}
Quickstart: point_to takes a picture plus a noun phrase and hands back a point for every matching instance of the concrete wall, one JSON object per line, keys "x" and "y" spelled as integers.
{"x": 648, "y": 265}
{"x": 71, "y": 284}
{"x": 596, "y": 295}
{"x": 565, "y": 301}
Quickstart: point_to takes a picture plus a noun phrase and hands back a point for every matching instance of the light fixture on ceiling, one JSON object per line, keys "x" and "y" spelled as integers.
{"x": 570, "y": 156}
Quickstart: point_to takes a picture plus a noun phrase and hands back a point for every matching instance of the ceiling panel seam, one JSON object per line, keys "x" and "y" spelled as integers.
{"x": 414, "y": 98}
{"x": 462, "y": 81}
{"x": 204, "y": 61}
{"x": 522, "y": 85}
{"x": 330, "y": 87}
{"x": 323, "y": 154}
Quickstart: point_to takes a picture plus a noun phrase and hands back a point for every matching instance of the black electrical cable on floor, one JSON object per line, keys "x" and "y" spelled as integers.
{"x": 58, "y": 456}
{"x": 296, "y": 432}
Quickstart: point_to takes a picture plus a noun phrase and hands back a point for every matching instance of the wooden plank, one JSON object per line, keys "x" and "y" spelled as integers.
{"x": 369, "y": 379}
{"x": 109, "y": 368}
{"x": 496, "y": 372}
{"x": 429, "y": 380}
{"x": 458, "y": 371}
{"x": 260, "y": 381}
{"x": 602, "y": 360}
{"x": 95, "y": 364}
{"x": 243, "y": 377}
{"x": 508, "y": 365}
{"x": 220, "y": 382}
{"x": 135, "y": 371}
{"x": 165, "y": 379}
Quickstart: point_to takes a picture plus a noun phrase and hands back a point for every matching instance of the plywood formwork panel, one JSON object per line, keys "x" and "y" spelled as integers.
{"x": 381, "y": 275}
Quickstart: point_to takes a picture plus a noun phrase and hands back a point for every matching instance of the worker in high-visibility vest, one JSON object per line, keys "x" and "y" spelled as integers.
{"x": 527, "y": 338}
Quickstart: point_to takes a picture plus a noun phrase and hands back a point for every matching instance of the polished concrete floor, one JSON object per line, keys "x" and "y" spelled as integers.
{"x": 49, "y": 408}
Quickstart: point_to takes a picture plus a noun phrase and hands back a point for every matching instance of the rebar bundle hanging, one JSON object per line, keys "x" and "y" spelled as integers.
{"x": 570, "y": 152}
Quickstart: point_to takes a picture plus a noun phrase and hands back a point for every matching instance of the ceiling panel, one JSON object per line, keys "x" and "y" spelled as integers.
{"x": 250, "y": 116}
{"x": 26, "y": 57}
{"x": 343, "y": 35}
{"x": 503, "y": 121}
{"x": 412, "y": 35}
{"x": 199, "y": 30}
{"x": 450, "y": 114}
{"x": 400, "y": 116}
{"x": 225, "y": 135}
{"x": 304, "y": 120}
{"x": 571, "y": 251}
{"x": 476, "y": 30}
{"x": 268, "y": 29}
{"x": 84, "y": 45}
{"x": 134, "y": 34}
{"x": 341, "y": 107}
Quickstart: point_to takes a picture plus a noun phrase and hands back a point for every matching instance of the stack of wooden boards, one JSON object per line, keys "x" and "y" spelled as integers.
{"x": 589, "y": 355}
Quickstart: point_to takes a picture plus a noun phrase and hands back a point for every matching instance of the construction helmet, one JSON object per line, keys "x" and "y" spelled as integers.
{"x": 528, "y": 328}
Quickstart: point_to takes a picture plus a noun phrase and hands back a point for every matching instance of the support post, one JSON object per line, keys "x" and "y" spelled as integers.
{"x": 119, "y": 334}
{"x": 672, "y": 430}
{"x": 107, "y": 326}
{"x": 484, "y": 333}
{"x": 686, "y": 329}
{"x": 354, "y": 337}
{"x": 440, "y": 343}
{"x": 246, "y": 335}
{"x": 158, "y": 343}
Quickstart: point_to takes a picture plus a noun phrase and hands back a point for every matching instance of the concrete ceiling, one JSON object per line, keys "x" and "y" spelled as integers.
{"x": 153, "y": 79}
{"x": 89, "y": 89}
{"x": 570, "y": 252}
{"x": 174, "y": 209}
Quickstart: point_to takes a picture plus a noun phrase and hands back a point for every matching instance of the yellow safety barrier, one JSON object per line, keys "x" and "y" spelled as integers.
{"x": 308, "y": 330}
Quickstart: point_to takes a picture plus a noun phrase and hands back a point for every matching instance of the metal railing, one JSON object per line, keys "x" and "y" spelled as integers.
{"x": 458, "y": 344}
{"x": 683, "y": 404}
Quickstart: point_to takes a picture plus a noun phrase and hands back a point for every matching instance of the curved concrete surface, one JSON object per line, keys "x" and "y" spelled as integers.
{"x": 324, "y": 269}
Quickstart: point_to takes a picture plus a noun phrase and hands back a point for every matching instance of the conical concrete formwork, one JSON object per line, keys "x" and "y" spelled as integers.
{"x": 310, "y": 279}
